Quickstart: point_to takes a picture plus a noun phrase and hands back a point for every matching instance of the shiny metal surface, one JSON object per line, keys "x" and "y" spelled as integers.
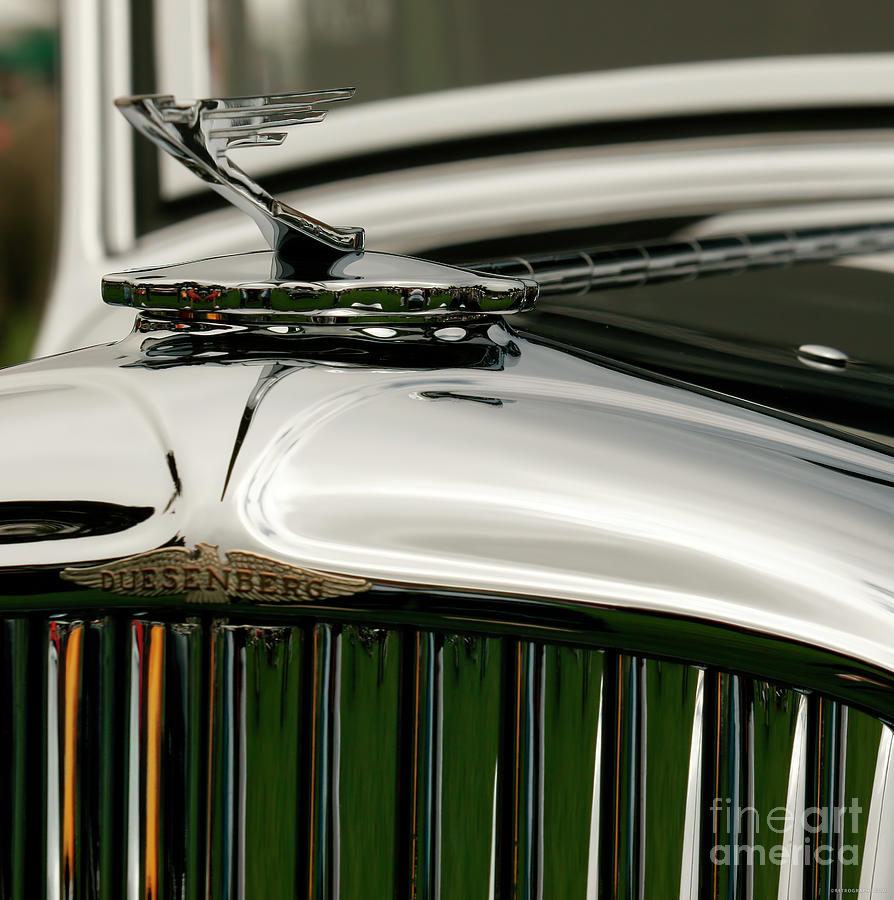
{"x": 163, "y": 756}
{"x": 741, "y": 337}
{"x": 539, "y": 497}
{"x": 312, "y": 270}
{"x": 569, "y": 480}
{"x": 821, "y": 357}
{"x": 429, "y": 206}
{"x": 79, "y": 754}
{"x": 97, "y": 237}
{"x": 18, "y": 815}
{"x": 256, "y": 724}
{"x": 555, "y": 668}
{"x": 368, "y": 287}
{"x": 200, "y": 133}
{"x": 607, "y": 268}
{"x": 337, "y": 753}
{"x": 600, "y": 605}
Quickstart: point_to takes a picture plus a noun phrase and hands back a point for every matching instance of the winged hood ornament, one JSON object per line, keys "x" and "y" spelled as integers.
{"x": 203, "y": 577}
{"x": 200, "y": 134}
{"x": 313, "y": 273}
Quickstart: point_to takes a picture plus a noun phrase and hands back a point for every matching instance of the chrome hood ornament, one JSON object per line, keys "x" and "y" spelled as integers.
{"x": 313, "y": 272}
{"x": 200, "y": 133}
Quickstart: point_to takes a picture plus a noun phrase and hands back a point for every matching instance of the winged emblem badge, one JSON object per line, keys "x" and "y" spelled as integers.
{"x": 203, "y": 577}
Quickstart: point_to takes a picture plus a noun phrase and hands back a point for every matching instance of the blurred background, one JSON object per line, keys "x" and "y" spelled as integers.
{"x": 29, "y": 139}
{"x": 388, "y": 48}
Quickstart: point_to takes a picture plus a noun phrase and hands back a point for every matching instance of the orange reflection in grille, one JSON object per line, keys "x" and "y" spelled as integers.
{"x": 72, "y": 701}
{"x": 153, "y": 755}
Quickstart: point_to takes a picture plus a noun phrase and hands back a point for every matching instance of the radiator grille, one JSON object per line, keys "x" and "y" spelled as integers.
{"x": 160, "y": 758}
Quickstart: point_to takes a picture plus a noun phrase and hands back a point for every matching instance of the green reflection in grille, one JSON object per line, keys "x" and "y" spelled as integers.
{"x": 365, "y": 792}
{"x": 669, "y": 694}
{"x": 572, "y": 686}
{"x": 471, "y": 734}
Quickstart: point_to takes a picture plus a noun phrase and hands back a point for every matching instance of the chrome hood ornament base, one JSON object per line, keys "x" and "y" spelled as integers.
{"x": 261, "y": 287}
{"x": 314, "y": 272}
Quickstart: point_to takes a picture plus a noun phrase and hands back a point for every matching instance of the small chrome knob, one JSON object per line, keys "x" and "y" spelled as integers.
{"x": 819, "y": 356}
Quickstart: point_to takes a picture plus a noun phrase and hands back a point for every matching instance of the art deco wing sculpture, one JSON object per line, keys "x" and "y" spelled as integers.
{"x": 314, "y": 273}
{"x": 200, "y": 133}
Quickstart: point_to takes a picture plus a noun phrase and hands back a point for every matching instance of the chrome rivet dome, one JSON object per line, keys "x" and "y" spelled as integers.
{"x": 819, "y": 356}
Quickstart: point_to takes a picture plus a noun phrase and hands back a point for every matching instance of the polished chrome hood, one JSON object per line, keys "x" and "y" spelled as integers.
{"x": 370, "y": 417}
{"x": 475, "y": 460}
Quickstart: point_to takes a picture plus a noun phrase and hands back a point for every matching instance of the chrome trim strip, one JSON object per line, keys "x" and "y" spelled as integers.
{"x": 134, "y": 741}
{"x": 492, "y": 889}
{"x": 792, "y": 871}
{"x": 881, "y": 820}
{"x": 53, "y": 775}
{"x": 596, "y": 804}
{"x": 689, "y": 871}
{"x": 614, "y": 267}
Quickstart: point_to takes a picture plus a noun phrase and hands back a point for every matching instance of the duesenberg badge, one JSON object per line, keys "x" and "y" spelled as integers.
{"x": 204, "y": 578}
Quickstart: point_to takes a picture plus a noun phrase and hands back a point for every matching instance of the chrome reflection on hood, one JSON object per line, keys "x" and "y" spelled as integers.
{"x": 529, "y": 472}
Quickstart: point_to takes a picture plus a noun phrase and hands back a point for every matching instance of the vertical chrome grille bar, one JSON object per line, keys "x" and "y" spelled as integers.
{"x": 862, "y": 739}
{"x": 153, "y": 851}
{"x": 877, "y": 871}
{"x": 792, "y": 869}
{"x": 255, "y": 757}
{"x": 725, "y": 786}
{"x": 54, "y": 646}
{"x": 151, "y": 780}
{"x": 322, "y": 852}
{"x": 775, "y": 745}
{"x": 692, "y": 846}
{"x": 572, "y": 689}
{"x": 99, "y": 768}
{"x": 14, "y": 762}
{"x": 223, "y": 827}
{"x": 668, "y": 698}
{"x": 364, "y": 790}
{"x": 425, "y": 863}
{"x": 622, "y": 767}
{"x": 527, "y": 798}
{"x": 823, "y": 799}
{"x": 471, "y": 711}
{"x": 184, "y": 755}
{"x": 270, "y": 777}
{"x": 80, "y": 830}
{"x": 134, "y": 840}
{"x": 596, "y": 823}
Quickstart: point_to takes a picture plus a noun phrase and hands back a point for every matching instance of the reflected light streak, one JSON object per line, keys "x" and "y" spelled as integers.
{"x": 153, "y": 756}
{"x": 69, "y": 795}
